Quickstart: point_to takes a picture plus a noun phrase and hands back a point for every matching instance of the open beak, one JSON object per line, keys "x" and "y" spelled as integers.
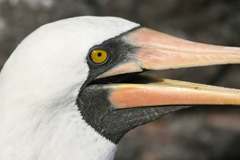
{"x": 158, "y": 51}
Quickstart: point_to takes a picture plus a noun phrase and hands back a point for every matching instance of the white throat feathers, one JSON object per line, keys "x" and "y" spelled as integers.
{"x": 39, "y": 85}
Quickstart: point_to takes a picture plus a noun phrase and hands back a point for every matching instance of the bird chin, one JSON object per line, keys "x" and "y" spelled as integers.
{"x": 117, "y": 104}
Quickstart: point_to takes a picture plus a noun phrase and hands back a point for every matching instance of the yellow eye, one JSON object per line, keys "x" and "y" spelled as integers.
{"x": 99, "y": 56}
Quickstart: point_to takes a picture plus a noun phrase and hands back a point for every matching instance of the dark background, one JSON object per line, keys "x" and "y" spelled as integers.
{"x": 198, "y": 133}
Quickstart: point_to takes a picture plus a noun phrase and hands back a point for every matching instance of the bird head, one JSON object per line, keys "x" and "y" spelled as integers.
{"x": 97, "y": 64}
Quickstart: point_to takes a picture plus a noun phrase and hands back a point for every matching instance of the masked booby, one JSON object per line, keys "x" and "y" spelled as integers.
{"x": 64, "y": 94}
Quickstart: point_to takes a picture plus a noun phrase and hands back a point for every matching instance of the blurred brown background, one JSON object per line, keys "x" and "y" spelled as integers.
{"x": 197, "y": 133}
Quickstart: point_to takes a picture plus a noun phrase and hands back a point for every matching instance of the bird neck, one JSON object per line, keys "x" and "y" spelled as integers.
{"x": 47, "y": 133}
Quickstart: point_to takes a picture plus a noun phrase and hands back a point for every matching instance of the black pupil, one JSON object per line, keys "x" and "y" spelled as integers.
{"x": 99, "y": 54}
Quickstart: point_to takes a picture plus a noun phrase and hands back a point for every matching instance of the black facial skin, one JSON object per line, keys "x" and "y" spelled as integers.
{"x": 115, "y": 123}
{"x": 93, "y": 102}
{"x": 118, "y": 51}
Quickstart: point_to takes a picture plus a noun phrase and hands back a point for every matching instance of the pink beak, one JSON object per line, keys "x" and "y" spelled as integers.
{"x": 158, "y": 51}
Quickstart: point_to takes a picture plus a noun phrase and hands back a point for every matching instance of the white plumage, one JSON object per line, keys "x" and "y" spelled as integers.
{"x": 39, "y": 85}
